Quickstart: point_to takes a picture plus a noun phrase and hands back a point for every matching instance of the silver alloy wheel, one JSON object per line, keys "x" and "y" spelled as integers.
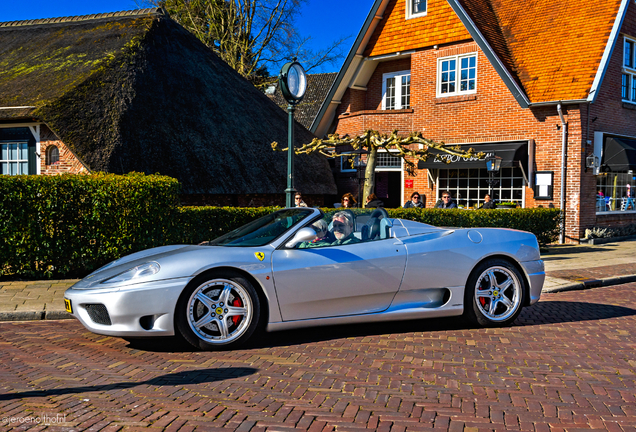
{"x": 219, "y": 311}
{"x": 498, "y": 293}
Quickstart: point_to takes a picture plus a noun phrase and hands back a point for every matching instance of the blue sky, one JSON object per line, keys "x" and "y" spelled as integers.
{"x": 323, "y": 20}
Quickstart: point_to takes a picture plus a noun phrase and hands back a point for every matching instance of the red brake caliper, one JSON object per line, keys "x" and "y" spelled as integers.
{"x": 482, "y": 300}
{"x": 237, "y": 302}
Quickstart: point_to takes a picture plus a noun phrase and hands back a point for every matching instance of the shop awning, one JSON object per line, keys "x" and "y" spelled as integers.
{"x": 509, "y": 152}
{"x": 619, "y": 154}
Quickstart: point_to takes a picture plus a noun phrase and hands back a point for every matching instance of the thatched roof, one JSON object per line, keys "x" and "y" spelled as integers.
{"x": 135, "y": 91}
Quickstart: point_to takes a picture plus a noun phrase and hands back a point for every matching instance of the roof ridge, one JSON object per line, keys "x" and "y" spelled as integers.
{"x": 136, "y": 12}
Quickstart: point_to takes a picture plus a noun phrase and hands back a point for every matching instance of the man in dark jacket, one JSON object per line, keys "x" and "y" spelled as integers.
{"x": 446, "y": 202}
{"x": 488, "y": 203}
{"x": 415, "y": 202}
{"x": 373, "y": 202}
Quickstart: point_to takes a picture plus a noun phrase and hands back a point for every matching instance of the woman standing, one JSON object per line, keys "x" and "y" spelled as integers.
{"x": 348, "y": 201}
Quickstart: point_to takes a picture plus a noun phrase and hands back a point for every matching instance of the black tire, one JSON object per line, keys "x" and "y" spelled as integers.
{"x": 495, "y": 294}
{"x": 218, "y": 311}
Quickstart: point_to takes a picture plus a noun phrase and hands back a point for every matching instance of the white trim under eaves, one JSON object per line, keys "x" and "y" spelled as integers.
{"x": 391, "y": 56}
{"x": 609, "y": 49}
{"x": 562, "y": 102}
{"x": 19, "y": 107}
{"x": 490, "y": 54}
{"x": 327, "y": 109}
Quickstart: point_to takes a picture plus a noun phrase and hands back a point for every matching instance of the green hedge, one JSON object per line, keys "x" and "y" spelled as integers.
{"x": 197, "y": 224}
{"x": 67, "y": 226}
{"x": 205, "y": 223}
{"x": 542, "y": 222}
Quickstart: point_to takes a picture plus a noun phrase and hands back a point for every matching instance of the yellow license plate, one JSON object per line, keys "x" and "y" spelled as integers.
{"x": 67, "y": 304}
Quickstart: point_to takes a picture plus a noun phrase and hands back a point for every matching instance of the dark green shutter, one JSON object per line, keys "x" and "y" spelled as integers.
{"x": 33, "y": 159}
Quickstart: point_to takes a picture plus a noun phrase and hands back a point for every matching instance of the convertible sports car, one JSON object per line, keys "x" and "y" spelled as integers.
{"x": 299, "y": 267}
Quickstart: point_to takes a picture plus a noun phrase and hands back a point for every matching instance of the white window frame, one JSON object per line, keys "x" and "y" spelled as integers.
{"x": 629, "y": 72}
{"x": 457, "y": 59}
{"x": 378, "y": 167}
{"x": 482, "y": 188}
{"x": 398, "y": 88}
{"x": 18, "y": 161}
{"x": 409, "y": 10}
{"x": 345, "y": 162}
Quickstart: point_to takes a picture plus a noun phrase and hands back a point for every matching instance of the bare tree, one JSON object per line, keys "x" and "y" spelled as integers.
{"x": 249, "y": 35}
{"x": 371, "y": 141}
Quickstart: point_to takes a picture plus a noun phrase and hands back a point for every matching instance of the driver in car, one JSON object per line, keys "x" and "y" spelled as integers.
{"x": 342, "y": 226}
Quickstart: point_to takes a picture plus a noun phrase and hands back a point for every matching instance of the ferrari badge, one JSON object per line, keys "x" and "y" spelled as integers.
{"x": 260, "y": 255}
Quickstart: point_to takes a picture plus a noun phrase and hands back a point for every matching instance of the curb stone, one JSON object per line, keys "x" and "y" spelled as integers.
{"x": 603, "y": 240}
{"x": 592, "y": 283}
{"x": 34, "y": 316}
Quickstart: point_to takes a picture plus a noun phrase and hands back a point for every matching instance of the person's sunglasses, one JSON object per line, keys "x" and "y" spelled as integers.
{"x": 416, "y": 197}
{"x": 445, "y": 197}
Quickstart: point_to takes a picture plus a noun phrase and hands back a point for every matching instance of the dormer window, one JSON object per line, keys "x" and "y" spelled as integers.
{"x": 415, "y": 8}
{"x": 628, "y": 84}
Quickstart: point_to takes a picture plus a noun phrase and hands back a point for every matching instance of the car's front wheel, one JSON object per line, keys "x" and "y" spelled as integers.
{"x": 495, "y": 294}
{"x": 218, "y": 312}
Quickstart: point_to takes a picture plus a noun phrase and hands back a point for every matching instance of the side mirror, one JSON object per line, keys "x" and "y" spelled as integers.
{"x": 303, "y": 234}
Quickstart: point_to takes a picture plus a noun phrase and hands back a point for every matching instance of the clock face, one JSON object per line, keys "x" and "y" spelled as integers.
{"x": 296, "y": 81}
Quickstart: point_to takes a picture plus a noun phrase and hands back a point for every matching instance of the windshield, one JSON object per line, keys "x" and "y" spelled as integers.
{"x": 262, "y": 231}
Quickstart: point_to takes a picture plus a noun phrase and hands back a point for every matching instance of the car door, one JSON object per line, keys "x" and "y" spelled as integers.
{"x": 338, "y": 280}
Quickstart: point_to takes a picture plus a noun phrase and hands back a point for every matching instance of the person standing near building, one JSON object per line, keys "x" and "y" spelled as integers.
{"x": 348, "y": 201}
{"x": 414, "y": 202}
{"x": 299, "y": 200}
{"x": 446, "y": 202}
{"x": 374, "y": 202}
{"x": 488, "y": 203}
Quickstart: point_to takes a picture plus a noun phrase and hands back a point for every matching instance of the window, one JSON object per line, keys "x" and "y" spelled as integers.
{"x": 628, "y": 84}
{"x": 348, "y": 163}
{"x": 614, "y": 191}
{"x": 415, "y": 8}
{"x": 457, "y": 75}
{"x": 387, "y": 160}
{"x": 52, "y": 155}
{"x": 14, "y": 158}
{"x": 396, "y": 90}
{"x": 468, "y": 186}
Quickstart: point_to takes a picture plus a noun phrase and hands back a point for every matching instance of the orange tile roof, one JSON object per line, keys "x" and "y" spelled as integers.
{"x": 552, "y": 48}
{"x": 395, "y": 33}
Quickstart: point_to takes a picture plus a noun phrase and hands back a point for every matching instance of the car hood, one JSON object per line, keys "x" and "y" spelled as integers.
{"x": 176, "y": 261}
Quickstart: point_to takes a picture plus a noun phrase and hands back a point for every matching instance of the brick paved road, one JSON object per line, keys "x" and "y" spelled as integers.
{"x": 568, "y": 364}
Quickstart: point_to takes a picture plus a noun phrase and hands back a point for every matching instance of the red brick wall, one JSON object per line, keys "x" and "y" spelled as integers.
{"x": 492, "y": 114}
{"x": 68, "y": 162}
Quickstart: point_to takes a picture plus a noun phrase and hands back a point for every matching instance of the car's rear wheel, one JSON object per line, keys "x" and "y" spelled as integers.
{"x": 495, "y": 294}
{"x": 218, "y": 312}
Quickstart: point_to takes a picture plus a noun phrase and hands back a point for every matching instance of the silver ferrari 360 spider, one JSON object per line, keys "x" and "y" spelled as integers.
{"x": 300, "y": 267}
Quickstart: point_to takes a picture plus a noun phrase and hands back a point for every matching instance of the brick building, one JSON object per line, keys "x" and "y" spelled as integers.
{"x": 550, "y": 87}
{"x": 135, "y": 91}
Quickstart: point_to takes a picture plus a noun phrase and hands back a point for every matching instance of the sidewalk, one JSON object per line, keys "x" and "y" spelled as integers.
{"x": 568, "y": 267}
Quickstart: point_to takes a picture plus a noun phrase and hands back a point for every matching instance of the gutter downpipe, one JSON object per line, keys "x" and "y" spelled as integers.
{"x": 564, "y": 142}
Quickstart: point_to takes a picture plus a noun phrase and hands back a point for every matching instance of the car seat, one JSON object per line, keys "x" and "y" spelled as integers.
{"x": 372, "y": 229}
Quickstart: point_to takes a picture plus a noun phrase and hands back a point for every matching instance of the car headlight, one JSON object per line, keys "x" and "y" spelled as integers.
{"x": 140, "y": 271}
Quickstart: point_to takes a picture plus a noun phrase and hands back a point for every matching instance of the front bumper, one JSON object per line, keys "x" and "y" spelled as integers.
{"x": 145, "y": 309}
{"x": 535, "y": 271}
